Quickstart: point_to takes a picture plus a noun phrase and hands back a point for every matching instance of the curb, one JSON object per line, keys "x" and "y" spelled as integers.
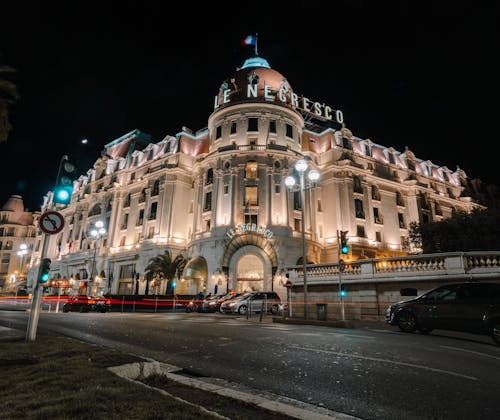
{"x": 137, "y": 371}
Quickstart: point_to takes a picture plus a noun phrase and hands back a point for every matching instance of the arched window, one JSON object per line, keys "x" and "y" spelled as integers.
{"x": 251, "y": 169}
{"x": 96, "y": 210}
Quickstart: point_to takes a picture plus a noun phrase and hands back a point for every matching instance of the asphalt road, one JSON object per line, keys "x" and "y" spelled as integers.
{"x": 371, "y": 373}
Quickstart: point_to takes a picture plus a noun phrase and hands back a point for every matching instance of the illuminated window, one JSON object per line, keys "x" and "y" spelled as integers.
{"x": 251, "y": 196}
{"x": 251, "y": 169}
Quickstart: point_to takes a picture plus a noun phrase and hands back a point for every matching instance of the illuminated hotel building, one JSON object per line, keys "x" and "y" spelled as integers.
{"x": 218, "y": 195}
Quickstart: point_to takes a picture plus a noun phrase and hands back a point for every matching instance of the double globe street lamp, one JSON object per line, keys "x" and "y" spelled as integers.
{"x": 97, "y": 233}
{"x": 301, "y": 166}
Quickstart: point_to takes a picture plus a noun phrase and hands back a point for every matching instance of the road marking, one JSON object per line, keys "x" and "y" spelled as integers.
{"x": 376, "y": 359}
{"x": 369, "y": 337}
{"x": 471, "y": 351}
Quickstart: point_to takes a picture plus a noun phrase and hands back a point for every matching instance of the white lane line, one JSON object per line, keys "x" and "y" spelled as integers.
{"x": 471, "y": 351}
{"x": 369, "y": 337}
{"x": 376, "y": 359}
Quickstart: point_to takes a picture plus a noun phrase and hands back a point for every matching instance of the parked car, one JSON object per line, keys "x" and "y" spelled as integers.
{"x": 254, "y": 302}
{"x": 87, "y": 304}
{"x": 469, "y": 307}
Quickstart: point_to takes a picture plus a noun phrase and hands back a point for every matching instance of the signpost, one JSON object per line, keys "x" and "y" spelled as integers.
{"x": 288, "y": 286}
{"x": 50, "y": 222}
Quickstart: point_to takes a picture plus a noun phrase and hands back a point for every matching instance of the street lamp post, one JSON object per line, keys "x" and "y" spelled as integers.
{"x": 301, "y": 167}
{"x": 23, "y": 250}
{"x": 97, "y": 234}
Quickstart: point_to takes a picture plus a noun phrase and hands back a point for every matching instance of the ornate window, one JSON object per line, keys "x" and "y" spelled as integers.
{"x": 358, "y": 205}
{"x": 210, "y": 177}
{"x": 357, "y": 185}
{"x": 251, "y": 170}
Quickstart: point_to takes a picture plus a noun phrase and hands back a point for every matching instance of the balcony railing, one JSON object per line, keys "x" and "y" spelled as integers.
{"x": 457, "y": 266}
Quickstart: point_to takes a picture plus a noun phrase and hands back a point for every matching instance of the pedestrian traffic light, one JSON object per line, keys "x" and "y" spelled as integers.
{"x": 343, "y": 292}
{"x": 44, "y": 270}
{"x": 344, "y": 248}
{"x": 64, "y": 183}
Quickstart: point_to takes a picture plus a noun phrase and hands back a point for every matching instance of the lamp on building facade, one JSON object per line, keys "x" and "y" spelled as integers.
{"x": 97, "y": 233}
{"x": 301, "y": 166}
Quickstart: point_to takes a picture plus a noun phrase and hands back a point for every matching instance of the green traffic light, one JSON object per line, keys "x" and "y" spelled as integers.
{"x": 44, "y": 278}
{"x": 343, "y": 293}
{"x": 345, "y": 249}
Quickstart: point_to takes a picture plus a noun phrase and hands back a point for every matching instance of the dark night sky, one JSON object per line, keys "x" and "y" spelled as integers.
{"x": 416, "y": 74}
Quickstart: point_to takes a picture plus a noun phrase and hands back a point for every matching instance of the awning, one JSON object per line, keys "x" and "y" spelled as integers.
{"x": 196, "y": 269}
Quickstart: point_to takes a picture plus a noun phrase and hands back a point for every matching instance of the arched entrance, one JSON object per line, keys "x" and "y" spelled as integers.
{"x": 249, "y": 274}
{"x": 250, "y": 268}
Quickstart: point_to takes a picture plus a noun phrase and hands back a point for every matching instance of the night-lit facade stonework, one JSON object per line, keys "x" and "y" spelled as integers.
{"x": 218, "y": 196}
{"x": 17, "y": 236}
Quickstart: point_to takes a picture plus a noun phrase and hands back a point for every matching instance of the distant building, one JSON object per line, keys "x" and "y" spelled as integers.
{"x": 218, "y": 196}
{"x": 17, "y": 236}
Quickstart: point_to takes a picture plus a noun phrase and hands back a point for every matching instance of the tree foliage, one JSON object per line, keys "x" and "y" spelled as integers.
{"x": 164, "y": 266}
{"x": 475, "y": 231}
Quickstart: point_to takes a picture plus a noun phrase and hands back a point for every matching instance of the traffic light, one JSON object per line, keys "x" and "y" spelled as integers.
{"x": 344, "y": 248}
{"x": 64, "y": 183}
{"x": 343, "y": 292}
{"x": 44, "y": 270}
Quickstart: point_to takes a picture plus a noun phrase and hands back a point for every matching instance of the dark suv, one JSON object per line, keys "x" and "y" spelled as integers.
{"x": 468, "y": 307}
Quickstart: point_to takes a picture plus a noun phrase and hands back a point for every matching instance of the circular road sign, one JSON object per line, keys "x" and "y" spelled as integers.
{"x": 288, "y": 284}
{"x": 51, "y": 222}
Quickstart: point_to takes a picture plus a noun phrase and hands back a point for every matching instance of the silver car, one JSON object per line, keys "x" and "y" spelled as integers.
{"x": 253, "y": 302}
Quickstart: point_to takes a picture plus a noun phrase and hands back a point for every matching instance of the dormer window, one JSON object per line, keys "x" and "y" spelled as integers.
{"x": 346, "y": 143}
{"x": 368, "y": 150}
{"x": 410, "y": 164}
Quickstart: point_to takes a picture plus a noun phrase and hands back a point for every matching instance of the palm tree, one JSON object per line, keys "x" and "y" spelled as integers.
{"x": 162, "y": 266}
{"x": 8, "y": 95}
